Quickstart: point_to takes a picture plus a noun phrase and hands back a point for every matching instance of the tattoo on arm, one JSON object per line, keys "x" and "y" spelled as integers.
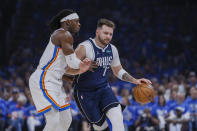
{"x": 127, "y": 77}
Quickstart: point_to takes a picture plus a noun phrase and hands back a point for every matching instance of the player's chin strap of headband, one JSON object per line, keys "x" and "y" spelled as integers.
{"x": 70, "y": 17}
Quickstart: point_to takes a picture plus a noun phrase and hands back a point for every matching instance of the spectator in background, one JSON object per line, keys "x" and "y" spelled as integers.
{"x": 2, "y": 100}
{"x": 128, "y": 114}
{"x": 151, "y": 104}
{"x": 33, "y": 118}
{"x": 192, "y": 102}
{"x": 179, "y": 114}
{"x": 178, "y": 119}
{"x": 3, "y": 112}
{"x": 16, "y": 115}
{"x": 146, "y": 122}
{"x": 167, "y": 94}
{"x": 172, "y": 102}
{"x": 182, "y": 85}
{"x": 14, "y": 98}
{"x": 144, "y": 119}
{"x": 192, "y": 79}
{"x": 3, "y": 109}
{"x": 160, "y": 111}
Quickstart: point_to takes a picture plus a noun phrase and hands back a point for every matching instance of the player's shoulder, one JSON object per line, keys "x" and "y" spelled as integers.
{"x": 61, "y": 33}
{"x": 86, "y": 44}
{"x": 114, "y": 49}
{"x": 112, "y": 45}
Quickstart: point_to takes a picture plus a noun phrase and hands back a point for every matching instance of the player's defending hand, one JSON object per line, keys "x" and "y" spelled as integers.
{"x": 143, "y": 80}
{"x": 85, "y": 65}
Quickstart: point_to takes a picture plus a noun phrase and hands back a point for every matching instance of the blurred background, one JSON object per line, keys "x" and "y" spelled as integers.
{"x": 156, "y": 39}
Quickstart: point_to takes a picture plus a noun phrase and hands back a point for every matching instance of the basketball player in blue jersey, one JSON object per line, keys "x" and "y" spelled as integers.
{"x": 92, "y": 92}
{"x": 45, "y": 83}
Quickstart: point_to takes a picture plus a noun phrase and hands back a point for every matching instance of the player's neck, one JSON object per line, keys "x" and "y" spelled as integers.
{"x": 99, "y": 43}
{"x": 66, "y": 28}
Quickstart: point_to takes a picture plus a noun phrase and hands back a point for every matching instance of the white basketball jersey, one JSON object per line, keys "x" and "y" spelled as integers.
{"x": 53, "y": 59}
{"x": 52, "y": 63}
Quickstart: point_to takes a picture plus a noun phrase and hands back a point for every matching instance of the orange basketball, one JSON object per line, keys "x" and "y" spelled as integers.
{"x": 143, "y": 93}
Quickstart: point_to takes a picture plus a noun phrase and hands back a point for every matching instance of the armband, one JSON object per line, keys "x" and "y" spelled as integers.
{"x": 120, "y": 73}
{"x": 73, "y": 61}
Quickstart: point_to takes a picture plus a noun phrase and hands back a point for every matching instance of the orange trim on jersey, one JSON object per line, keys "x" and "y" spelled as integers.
{"x": 44, "y": 109}
{"x": 65, "y": 105}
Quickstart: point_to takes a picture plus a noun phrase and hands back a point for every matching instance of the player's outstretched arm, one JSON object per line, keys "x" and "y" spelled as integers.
{"x": 119, "y": 72}
{"x": 125, "y": 76}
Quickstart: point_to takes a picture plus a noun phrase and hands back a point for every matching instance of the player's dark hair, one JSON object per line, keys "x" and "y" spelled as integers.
{"x": 106, "y": 22}
{"x": 54, "y": 23}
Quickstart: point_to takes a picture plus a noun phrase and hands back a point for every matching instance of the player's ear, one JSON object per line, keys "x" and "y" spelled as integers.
{"x": 68, "y": 22}
{"x": 97, "y": 31}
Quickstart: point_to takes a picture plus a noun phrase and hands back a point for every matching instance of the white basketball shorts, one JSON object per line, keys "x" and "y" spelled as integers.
{"x": 47, "y": 93}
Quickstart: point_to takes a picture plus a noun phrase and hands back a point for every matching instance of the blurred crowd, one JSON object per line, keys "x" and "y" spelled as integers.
{"x": 156, "y": 40}
{"x": 174, "y": 107}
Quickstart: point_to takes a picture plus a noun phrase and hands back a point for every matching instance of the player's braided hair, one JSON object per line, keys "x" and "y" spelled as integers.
{"x": 54, "y": 23}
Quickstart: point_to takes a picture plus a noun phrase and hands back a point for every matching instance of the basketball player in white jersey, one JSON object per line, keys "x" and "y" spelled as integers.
{"x": 92, "y": 92}
{"x": 45, "y": 83}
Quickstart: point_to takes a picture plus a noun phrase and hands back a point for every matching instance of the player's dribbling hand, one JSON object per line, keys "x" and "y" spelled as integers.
{"x": 143, "y": 80}
{"x": 85, "y": 65}
{"x": 94, "y": 64}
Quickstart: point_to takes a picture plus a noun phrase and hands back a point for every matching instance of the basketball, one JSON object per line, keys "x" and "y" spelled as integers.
{"x": 143, "y": 93}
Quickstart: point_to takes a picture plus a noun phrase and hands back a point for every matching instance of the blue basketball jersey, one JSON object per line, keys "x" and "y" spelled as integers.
{"x": 99, "y": 78}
